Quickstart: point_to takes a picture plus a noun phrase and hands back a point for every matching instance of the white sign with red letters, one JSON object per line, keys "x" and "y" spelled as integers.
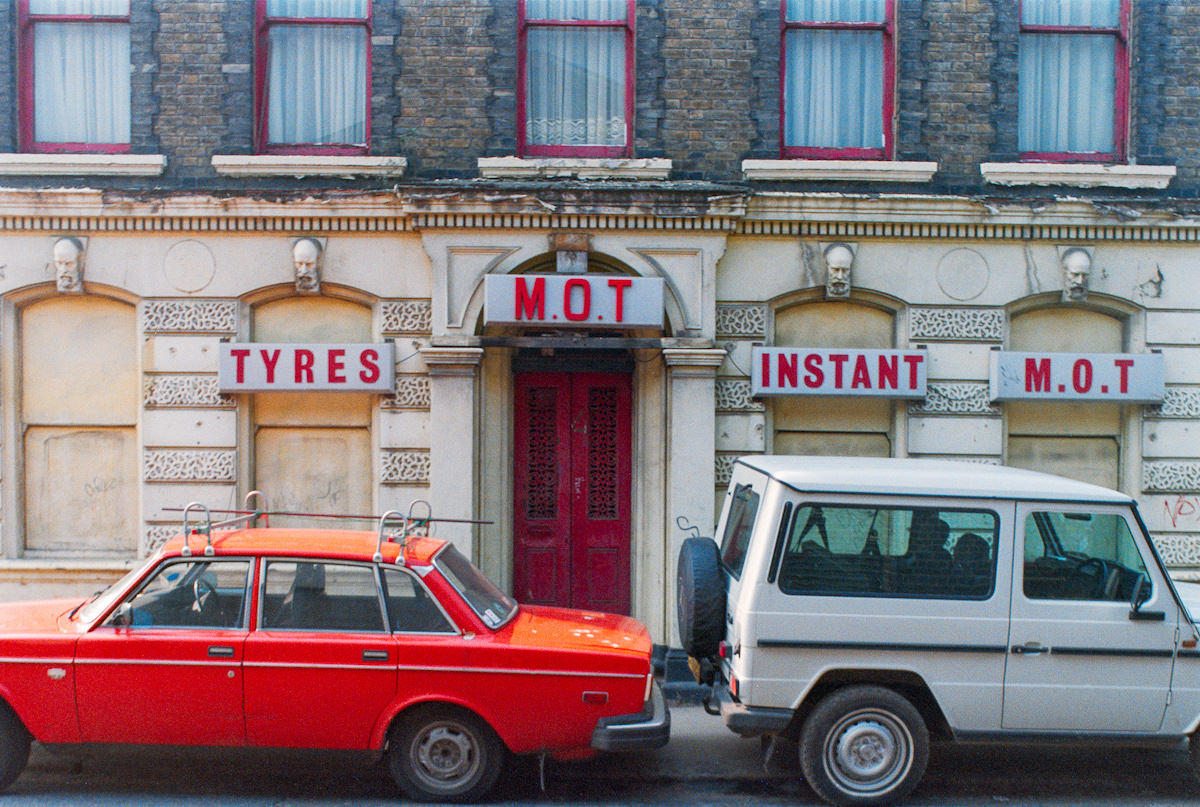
{"x": 847, "y": 372}
{"x": 1124, "y": 377}
{"x": 260, "y": 367}
{"x": 564, "y": 300}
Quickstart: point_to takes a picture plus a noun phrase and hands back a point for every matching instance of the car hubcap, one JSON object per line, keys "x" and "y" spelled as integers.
{"x": 868, "y": 752}
{"x": 445, "y": 755}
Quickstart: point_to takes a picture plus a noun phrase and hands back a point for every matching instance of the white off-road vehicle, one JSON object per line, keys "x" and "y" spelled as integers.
{"x": 862, "y": 607}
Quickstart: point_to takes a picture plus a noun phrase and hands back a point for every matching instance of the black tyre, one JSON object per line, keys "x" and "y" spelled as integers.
{"x": 701, "y": 593}
{"x": 444, "y": 753}
{"x": 14, "y": 747}
{"x": 1194, "y": 755}
{"x": 864, "y": 745}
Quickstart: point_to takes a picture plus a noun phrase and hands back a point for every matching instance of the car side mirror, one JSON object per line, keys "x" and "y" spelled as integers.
{"x": 123, "y": 616}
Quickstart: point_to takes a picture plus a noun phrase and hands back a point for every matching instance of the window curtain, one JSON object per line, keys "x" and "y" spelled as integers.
{"x": 317, "y": 74}
{"x": 81, "y": 91}
{"x": 1067, "y": 82}
{"x": 575, "y": 76}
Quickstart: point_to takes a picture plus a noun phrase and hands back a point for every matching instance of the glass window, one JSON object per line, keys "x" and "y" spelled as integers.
{"x": 1081, "y": 556}
{"x": 189, "y": 594}
{"x": 313, "y": 64}
{"x": 411, "y": 608}
{"x": 76, "y": 55}
{"x": 837, "y": 78}
{"x": 321, "y": 596}
{"x": 889, "y": 551}
{"x": 576, "y": 58}
{"x": 1072, "y": 76}
{"x": 492, "y": 605}
{"x": 738, "y": 526}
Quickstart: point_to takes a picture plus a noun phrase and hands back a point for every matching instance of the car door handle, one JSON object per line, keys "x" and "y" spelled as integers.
{"x": 220, "y": 651}
{"x": 1029, "y": 649}
{"x": 375, "y": 655}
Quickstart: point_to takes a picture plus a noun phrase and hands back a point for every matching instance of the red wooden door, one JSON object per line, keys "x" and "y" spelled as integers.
{"x": 571, "y": 468}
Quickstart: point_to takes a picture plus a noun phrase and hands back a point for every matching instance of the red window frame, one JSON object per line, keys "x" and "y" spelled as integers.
{"x": 524, "y": 23}
{"x": 262, "y": 30}
{"x": 1120, "y": 87}
{"x": 887, "y": 108}
{"x": 25, "y": 82}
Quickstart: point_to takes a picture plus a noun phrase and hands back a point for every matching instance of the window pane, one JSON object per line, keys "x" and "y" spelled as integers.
{"x": 411, "y": 609}
{"x": 576, "y": 87}
{"x": 317, "y": 84}
{"x": 834, "y": 89}
{"x": 81, "y": 83}
{"x": 1067, "y": 93}
{"x": 321, "y": 596}
{"x": 575, "y": 9}
{"x": 196, "y": 594}
{"x": 1091, "y": 13}
{"x": 836, "y": 10}
{"x": 738, "y": 527}
{"x": 1080, "y": 556}
{"x": 327, "y": 9}
{"x": 106, "y": 8}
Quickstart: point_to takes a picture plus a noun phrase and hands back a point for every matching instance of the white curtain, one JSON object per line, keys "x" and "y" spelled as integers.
{"x": 321, "y": 9}
{"x": 833, "y": 89}
{"x": 835, "y": 10}
{"x": 575, "y": 85}
{"x": 103, "y": 8}
{"x": 317, "y": 84}
{"x": 1067, "y": 82}
{"x": 81, "y": 83}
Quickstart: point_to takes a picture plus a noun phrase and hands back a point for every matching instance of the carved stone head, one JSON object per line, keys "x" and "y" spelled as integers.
{"x": 306, "y": 257}
{"x": 839, "y": 258}
{"x": 1077, "y": 265}
{"x": 68, "y": 264}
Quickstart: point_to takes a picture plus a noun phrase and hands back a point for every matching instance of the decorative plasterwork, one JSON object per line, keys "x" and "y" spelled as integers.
{"x": 1078, "y": 175}
{"x": 578, "y": 168}
{"x": 184, "y": 391}
{"x": 957, "y": 324}
{"x": 407, "y": 316}
{"x": 723, "y": 467}
{"x": 742, "y": 320}
{"x": 189, "y": 316}
{"x": 840, "y": 170}
{"x": 405, "y": 466}
{"x": 1178, "y": 550}
{"x": 733, "y": 395}
{"x": 175, "y": 465}
{"x": 1171, "y": 476}
{"x": 157, "y": 535}
{"x": 126, "y": 165}
{"x": 955, "y": 399}
{"x": 306, "y": 165}
{"x": 411, "y": 392}
{"x": 1178, "y": 402}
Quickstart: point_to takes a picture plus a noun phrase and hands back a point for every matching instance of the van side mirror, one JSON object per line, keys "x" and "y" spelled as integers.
{"x": 1141, "y": 593}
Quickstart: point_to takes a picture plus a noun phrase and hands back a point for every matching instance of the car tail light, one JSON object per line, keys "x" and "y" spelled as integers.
{"x": 733, "y": 685}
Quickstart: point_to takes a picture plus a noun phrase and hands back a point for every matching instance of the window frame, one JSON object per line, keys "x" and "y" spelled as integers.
{"x": 888, "y": 105}
{"x": 26, "y": 22}
{"x": 1120, "y": 35}
{"x": 524, "y": 24}
{"x": 262, "y": 32}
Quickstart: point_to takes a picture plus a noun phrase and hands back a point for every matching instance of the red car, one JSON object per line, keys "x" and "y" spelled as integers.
{"x": 318, "y": 638}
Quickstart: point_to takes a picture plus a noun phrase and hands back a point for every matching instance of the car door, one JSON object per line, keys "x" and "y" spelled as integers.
{"x": 321, "y": 666}
{"x": 165, "y": 667}
{"x": 1080, "y": 659}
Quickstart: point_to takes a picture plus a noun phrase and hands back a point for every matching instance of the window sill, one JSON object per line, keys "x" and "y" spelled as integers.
{"x": 306, "y": 165}
{"x": 843, "y": 170}
{"x": 575, "y": 167}
{"x": 129, "y": 165}
{"x": 1078, "y": 175}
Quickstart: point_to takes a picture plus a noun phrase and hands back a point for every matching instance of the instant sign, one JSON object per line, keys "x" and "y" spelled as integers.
{"x": 1124, "y": 377}
{"x": 260, "y": 367}
{"x": 849, "y": 372}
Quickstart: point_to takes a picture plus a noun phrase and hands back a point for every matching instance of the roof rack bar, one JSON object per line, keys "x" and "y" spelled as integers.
{"x": 187, "y": 547}
{"x": 383, "y": 520}
{"x": 258, "y": 511}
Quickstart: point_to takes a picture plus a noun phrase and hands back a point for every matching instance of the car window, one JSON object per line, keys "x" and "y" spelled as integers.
{"x": 300, "y": 595}
{"x": 1081, "y": 556}
{"x": 411, "y": 608}
{"x": 738, "y": 526}
{"x": 866, "y": 550}
{"x": 189, "y": 594}
{"x": 492, "y": 605}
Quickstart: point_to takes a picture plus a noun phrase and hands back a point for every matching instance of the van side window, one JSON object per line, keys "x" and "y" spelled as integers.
{"x": 890, "y": 551}
{"x": 1080, "y": 556}
{"x": 738, "y": 527}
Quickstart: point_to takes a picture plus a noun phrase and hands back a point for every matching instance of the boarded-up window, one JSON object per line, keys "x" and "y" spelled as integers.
{"x": 79, "y": 407}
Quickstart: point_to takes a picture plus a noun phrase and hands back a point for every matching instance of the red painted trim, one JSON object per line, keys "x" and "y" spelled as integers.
{"x": 79, "y": 148}
{"x": 1068, "y": 157}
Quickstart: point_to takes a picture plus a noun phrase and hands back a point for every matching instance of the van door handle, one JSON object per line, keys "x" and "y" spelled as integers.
{"x": 375, "y": 655}
{"x": 220, "y": 651}
{"x": 1029, "y": 649}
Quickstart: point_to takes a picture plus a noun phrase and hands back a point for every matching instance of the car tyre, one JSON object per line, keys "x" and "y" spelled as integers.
{"x": 445, "y": 754}
{"x": 864, "y": 745}
{"x": 14, "y": 747}
{"x": 701, "y": 593}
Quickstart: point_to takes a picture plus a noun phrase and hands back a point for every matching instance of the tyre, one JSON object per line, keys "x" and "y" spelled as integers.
{"x": 1194, "y": 755}
{"x": 443, "y": 753}
{"x": 864, "y": 745}
{"x": 14, "y": 747}
{"x": 701, "y": 593}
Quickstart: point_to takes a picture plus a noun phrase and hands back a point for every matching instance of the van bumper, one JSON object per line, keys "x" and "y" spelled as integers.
{"x": 750, "y": 721}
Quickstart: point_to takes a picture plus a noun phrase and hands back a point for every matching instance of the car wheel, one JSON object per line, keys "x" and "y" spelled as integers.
{"x": 14, "y": 747}
{"x": 701, "y": 593}
{"x": 444, "y": 754}
{"x": 864, "y": 745}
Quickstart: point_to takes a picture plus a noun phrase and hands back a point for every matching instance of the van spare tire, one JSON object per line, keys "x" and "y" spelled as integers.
{"x": 701, "y": 593}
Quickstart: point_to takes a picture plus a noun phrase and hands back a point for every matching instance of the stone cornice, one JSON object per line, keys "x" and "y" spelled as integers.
{"x": 113, "y": 165}
{"x": 839, "y": 170}
{"x": 297, "y": 165}
{"x": 1078, "y": 175}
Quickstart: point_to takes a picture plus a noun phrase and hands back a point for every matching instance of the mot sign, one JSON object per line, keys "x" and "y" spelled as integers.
{"x": 260, "y": 367}
{"x": 850, "y": 372}
{"x": 562, "y": 300}
{"x": 1123, "y": 377}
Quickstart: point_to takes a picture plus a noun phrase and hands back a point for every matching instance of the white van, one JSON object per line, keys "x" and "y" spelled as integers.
{"x": 862, "y": 607}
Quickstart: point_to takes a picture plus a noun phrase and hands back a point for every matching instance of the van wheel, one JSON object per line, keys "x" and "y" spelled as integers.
{"x": 864, "y": 745}
{"x": 701, "y": 594}
{"x": 1194, "y": 755}
{"x": 14, "y": 747}
{"x": 443, "y": 753}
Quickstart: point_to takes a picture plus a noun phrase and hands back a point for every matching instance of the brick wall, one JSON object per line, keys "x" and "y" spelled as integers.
{"x": 190, "y": 47}
{"x": 8, "y": 80}
{"x": 237, "y": 79}
{"x": 1168, "y": 77}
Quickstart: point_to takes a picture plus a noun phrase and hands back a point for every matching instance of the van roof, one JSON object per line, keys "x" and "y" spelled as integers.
{"x": 911, "y": 477}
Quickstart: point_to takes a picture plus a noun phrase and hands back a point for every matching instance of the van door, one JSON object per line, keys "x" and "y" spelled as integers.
{"x": 1078, "y": 660}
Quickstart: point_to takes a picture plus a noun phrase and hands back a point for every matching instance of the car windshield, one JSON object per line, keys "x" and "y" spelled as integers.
{"x": 493, "y": 605}
{"x": 102, "y": 600}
